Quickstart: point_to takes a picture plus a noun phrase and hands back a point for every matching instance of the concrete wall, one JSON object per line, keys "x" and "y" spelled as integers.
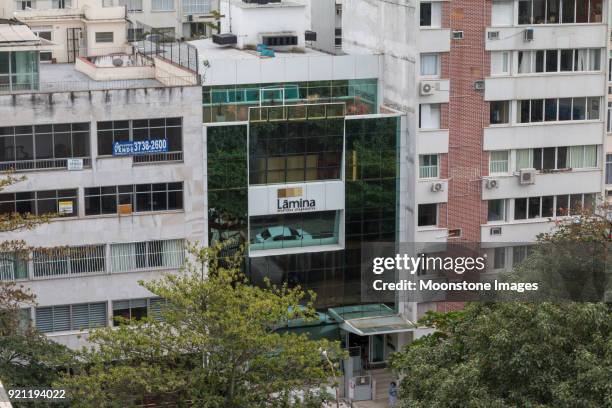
{"x": 323, "y": 22}
{"x": 189, "y": 224}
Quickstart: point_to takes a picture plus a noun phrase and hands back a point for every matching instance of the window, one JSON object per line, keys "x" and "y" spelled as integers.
{"x": 425, "y": 14}
{"x": 62, "y": 202}
{"x": 104, "y": 37}
{"x": 430, "y": 64}
{"x": 559, "y": 11}
{"x": 162, "y": 5}
{"x": 147, "y": 254}
{"x": 499, "y": 258}
{"x": 43, "y": 146}
{"x": 13, "y": 266}
{"x": 608, "y": 168}
{"x": 69, "y": 261}
{"x": 25, "y": 4}
{"x": 497, "y": 210}
{"x": 427, "y": 215}
{"x": 557, "y": 158}
{"x": 170, "y": 129}
{"x": 135, "y": 34}
{"x": 520, "y": 253}
{"x": 502, "y": 13}
{"x": 42, "y": 33}
{"x": 498, "y": 162}
{"x": 46, "y": 56}
{"x": 551, "y": 206}
{"x": 196, "y": 6}
{"x": 131, "y": 5}
{"x": 537, "y": 110}
{"x": 428, "y": 166}
{"x": 135, "y": 309}
{"x": 19, "y": 70}
{"x": 141, "y": 198}
{"x": 429, "y": 117}
{"x": 279, "y": 40}
{"x": 563, "y": 60}
{"x": 500, "y": 63}
{"x": 499, "y": 112}
{"x": 298, "y": 150}
{"x": 71, "y": 317}
{"x": 583, "y": 156}
{"x": 61, "y": 4}
{"x": 294, "y": 230}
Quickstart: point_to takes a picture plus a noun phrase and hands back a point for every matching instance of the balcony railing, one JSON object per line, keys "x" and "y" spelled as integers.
{"x": 40, "y": 164}
{"x": 428, "y": 171}
{"x": 498, "y": 166}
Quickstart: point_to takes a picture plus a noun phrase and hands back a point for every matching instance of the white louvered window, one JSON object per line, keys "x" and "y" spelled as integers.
{"x": 162, "y": 5}
{"x": 196, "y": 6}
{"x": 69, "y": 261}
{"x": 71, "y": 317}
{"x": 149, "y": 254}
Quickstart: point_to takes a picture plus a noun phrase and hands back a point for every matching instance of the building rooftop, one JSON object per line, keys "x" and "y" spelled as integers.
{"x": 17, "y": 34}
{"x": 211, "y": 51}
{"x": 284, "y": 3}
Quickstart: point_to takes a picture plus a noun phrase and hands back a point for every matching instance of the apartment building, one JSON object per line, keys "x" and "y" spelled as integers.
{"x": 307, "y": 165}
{"x": 123, "y": 217}
{"x": 508, "y": 110}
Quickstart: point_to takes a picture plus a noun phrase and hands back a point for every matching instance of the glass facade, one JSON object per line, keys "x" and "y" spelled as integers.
{"x": 19, "y": 71}
{"x": 295, "y": 149}
{"x": 231, "y": 103}
{"x": 227, "y": 183}
{"x": 294, "y": 230}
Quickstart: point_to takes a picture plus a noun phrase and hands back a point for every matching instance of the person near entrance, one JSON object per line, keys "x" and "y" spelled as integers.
{"x": 392, "y": 393}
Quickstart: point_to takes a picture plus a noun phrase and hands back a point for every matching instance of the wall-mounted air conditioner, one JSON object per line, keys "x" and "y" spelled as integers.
{"x": 436, "y": 187}
{"x": 527, "y": 176}
{"x": 493, "y": 35}
{"x": 491, "y": 184}
{"x": 427, "y": 88}
{"x": 528, "y": 34}
{"x": 495, "y": 231}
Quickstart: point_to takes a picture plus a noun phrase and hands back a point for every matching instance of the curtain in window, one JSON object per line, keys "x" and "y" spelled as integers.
{"x": 123, "y": 257}
{"x": 499, "y": 162}
{"x": 174, "y": 253}
{"x": 581, "y": 63}
{"x": 590, "y": 156}
{"x": 594, "y": 59}
{"x": 429, "y": 64}
{"x": 430, "y": 116}
{"x": 523, "y": 159}
{"x": 524, "y": 62}
{"x": 576, "y": 157}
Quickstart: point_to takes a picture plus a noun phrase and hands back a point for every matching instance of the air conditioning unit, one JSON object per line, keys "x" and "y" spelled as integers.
{"x": 457, "y": 35}
{"x": 479, "y": 85}
{"x": 528, "y": 34}
{"x": 495, "y": 231}
{"x": 491, "y": 184}
{"x": 427, "y": 88}
{"x": 435, "y": 187}
{"x": 527, "y": 176}
{"x": 493, "y": 35}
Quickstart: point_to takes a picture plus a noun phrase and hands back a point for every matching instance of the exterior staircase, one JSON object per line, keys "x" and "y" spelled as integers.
{"x": 382, "y": 378}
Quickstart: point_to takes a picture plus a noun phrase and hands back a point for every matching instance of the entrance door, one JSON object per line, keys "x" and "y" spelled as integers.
{"x": 377, "y": 348}
{"x": 73, "y": 43}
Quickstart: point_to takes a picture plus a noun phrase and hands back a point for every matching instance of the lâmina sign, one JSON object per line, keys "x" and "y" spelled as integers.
{"x": 292, "y": 199}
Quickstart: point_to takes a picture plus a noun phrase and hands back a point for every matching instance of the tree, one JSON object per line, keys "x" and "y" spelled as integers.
{"x": 212, "y": 344}
{"x": 511, "y": 354}
{"x": 27, "y": 357}
{"x": 572, "y": 262}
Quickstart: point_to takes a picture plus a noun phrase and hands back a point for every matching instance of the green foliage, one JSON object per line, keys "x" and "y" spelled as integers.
{"x": 512, "y": 354}
{"x": 215, "y": 346}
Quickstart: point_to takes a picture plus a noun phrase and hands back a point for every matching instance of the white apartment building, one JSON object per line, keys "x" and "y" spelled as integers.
{"x": 123, "y": 218}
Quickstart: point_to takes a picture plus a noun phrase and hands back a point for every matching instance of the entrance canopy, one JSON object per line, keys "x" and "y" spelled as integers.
{"x": 369, "y": 320}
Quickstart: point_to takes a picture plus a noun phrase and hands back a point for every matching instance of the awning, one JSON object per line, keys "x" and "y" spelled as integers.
{"x": 368, "y": 320}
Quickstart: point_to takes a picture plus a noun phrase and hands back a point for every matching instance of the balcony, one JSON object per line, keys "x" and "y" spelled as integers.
{"x": 579, "y": 181}
{"x": 549, "y": 37}
{"x": 523, "y": 231}
{"x": 434, "y": 39}
{"x": 432, "y": 141}
{"x": 426, "y": 194}
{"x": 545, "y": 85}
{"x": 545, "y": 134}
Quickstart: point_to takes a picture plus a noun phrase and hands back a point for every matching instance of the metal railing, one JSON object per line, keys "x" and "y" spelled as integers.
{"x": 70, "y": 261}
{"x": 428, "y": 171}
{"x": 40, "y": 164}
{"x": 157, "y": 157}
{"x": 498, "y": 166}
{"x": 145, "y": 255}
{"x": 164, "y": 46}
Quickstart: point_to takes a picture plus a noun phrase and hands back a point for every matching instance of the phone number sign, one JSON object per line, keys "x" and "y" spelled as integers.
{"x": 135, "y": 147}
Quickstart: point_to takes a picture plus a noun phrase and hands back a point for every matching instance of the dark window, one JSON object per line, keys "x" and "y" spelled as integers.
{"x": 425, "y": 14}
{"x": 520, "y": 209}
{"x": 548, "y": 160}
{"x": 499, "y": 112}
{"x": 496, "y": 210}
{"x": 562, "y": 206}
{"x": 62, "y": 202}
{"x": 579, "y": 109}
{"x": 537, "y": 110}
{"x": 133, "y": 309}
{"x": 568, "y": 11}
{"x": 565, "y": 108}
{"x": 548, "y": 206}
{"x": 561, "y": 157}
{"x": 142, "y": 197}
{"x": 534, "y": 207}
{"x": 567, "y": 59}
{"x": 550, "y": 110}
{"x": 169, "y": 129}
{"x": 608, "y": 168}
{"x": 539, "y": 62}
{"x": 428, "y": 215}
{"x": 552, "y": 61}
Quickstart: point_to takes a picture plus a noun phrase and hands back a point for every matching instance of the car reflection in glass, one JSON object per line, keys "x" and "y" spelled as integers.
{"x": 281, "y": 234}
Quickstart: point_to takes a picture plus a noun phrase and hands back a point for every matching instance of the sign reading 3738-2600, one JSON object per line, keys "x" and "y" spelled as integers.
{"x": 134, "y": 147}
